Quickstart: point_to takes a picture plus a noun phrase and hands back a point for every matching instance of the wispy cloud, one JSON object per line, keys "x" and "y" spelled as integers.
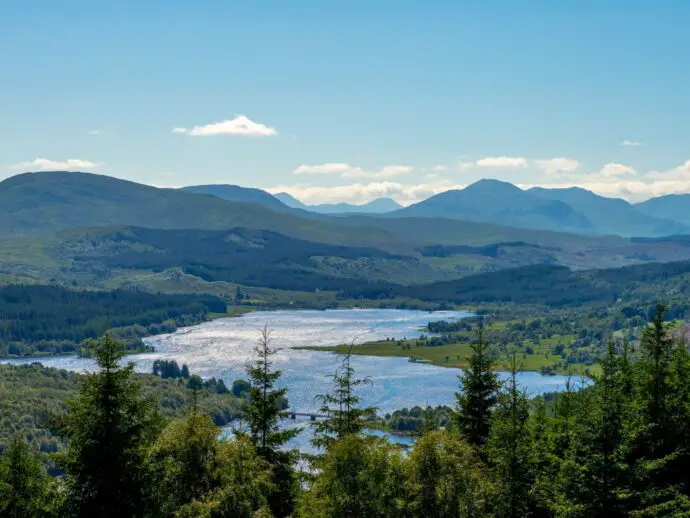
{"x": 388, "y": 171}
{"x": 97, "y": 132}
{"x": 502, "y": 161}
{"x": 325, "y": 168}
{"x": 553, "y": 166}
{"x": 44, "y": 164}
{"x": 623, "y": 181}
{"x": 631, "y": 143}
{"x": 241, "y": 125}
{"x": 612, "y": 179}
{"x": 349, "y": 171}
{"x": 615, "y": 170}
{"x": 404, "y": 194}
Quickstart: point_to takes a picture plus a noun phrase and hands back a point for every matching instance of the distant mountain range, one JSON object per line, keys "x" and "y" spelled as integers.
{"x": 572, "y": 210}
{"x": 671, "y": 206}
{"x": 487, "y": 226}
{"x": 239, "y": 194}
{"x": 283, "y": 201}
{"x": 377, "y": 206}
{"x": 613, "y": 215}
{"x": 568, "y": 210}
{"x": 503, "y": 203}
{"x": 44, "y": 202}
{"x": 39, "y": 204}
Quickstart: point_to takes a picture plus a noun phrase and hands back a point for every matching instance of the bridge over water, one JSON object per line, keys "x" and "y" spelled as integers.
{"x": 311, "y": 415}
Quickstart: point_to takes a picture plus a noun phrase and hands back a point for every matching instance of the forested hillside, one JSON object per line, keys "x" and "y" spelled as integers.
{"x": 239, "y": 194}
{"x": 547, "y": 284}
{"x": 35, "y": 398}
{"x": 244, "y": 256}
{"x": 39, "y": 204}
{"x": 52, "y": 319}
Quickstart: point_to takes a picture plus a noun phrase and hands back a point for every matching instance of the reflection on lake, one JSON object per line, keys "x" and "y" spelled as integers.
{"x": 222, "y": 348}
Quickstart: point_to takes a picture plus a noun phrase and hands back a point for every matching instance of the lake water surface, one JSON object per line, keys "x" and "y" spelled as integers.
{"x": 221, "y": 348}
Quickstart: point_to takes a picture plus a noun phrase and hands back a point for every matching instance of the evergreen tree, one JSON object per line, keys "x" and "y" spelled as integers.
{"x": 359, "y": 477}
{"x": 184, "y": 458}
{"x": 478, "y": 393}
{"x": 344, "y": 417}
{"x": 509, "y": 448}
{"x": 430, "y": 423}
{"x": 263, "y": 415}
{"x": 195, "y": 382}
{"x": 540, "y": 427}
{"x": 659, "y": 430}
{"x": 241, "y": 484}
{"x": 446, "y": 479}
{"x": 563, "y": 424}
{"x": 108, "y": 427}
{"x": 606, "y": 472}
{"x": 24, "y": 488}
{"x": 570, "y": 493}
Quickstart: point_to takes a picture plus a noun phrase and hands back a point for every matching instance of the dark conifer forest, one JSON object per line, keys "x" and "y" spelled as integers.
{"x": 52, "y": 319}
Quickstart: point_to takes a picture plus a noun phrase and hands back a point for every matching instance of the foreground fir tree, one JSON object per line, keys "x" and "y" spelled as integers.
{"x": 108, "y": 428}
{"x": 184, "y": 460}
{"x": 659, "y": 429}
{"x": 240, "y": 483}
{"x": 24, "y": 485}
{"x": 341, "y": 407}
{"x": 606, "y": 470}
{"x": 446, "y": 479}
{"x": 509, "y": 450}
{"x": 358, "y": 477}
{"x": 263, "y": 414}
{"x": 478, "y": 393}
{"x": 571, "y": 494}
{"x": 539, "y": 427}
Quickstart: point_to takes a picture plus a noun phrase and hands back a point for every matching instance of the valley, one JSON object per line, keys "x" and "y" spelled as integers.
{"x": 344, "y": 259}
{"x": 217, "y": 250}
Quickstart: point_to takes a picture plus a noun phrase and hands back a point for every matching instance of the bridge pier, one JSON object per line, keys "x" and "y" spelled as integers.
{"x": 313, "y": 416}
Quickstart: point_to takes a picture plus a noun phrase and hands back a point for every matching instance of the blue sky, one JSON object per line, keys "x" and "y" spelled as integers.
{"x": 349, "y": 100}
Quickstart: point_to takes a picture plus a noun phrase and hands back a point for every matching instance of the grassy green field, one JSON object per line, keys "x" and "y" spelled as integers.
{"x": 455, "y": 355}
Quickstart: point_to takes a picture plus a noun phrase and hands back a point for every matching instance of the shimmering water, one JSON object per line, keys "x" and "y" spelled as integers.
{"x": 223, "y": 347}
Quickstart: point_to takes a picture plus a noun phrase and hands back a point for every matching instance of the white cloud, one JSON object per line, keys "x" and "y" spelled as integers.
{"x": 44, "y": 164}
{"x": 632, "y": 190}
{"x": 621, "y": 181}
{"x": 502, "y": 161}
{"x": 97, "y": 132}
{"x": 404, "y": 194}
{"x": 464, "y": 166}
{"x": 682, "y": 172}
{"x": 631, "y": 143}
{"x": 349, "y": 171}
{"x": 326, "y": 168}
{"x": 553, "y": 166}
{"x": 614, "y": 170}
{"x": 240, "y": 125}
{"x": 440, "y": 168}
{"x": 612, "y": 179}
{"x": 388, "y": 171}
